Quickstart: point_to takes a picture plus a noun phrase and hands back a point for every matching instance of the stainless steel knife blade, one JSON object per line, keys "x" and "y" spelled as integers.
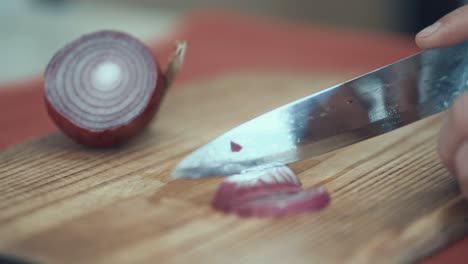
{"x": 364, "y": 107}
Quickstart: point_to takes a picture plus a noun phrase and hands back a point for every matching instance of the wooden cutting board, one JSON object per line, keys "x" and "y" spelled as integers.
{"x": 392, "y": 201}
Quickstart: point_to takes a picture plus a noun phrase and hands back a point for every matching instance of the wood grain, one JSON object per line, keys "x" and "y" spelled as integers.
{"x": 393, "y": 202}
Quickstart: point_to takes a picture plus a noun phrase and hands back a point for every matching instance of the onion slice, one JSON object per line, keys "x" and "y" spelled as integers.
{"x": 267, "y": 192}
{"x": 105, "y": 87}
{"x": 241, "y": 187}
{"x": 280, "y": 204}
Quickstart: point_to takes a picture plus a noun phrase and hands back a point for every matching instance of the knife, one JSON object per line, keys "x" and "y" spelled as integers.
{"x": 367, "y": 106}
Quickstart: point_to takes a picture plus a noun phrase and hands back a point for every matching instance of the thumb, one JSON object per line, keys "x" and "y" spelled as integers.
{"x": 449, "y": 30}
{"x": 453, "y": 142}
{"x": 461, "y": 167}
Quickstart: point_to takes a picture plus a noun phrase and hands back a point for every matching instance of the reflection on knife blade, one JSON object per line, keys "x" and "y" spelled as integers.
{"x": 367, "y": 106}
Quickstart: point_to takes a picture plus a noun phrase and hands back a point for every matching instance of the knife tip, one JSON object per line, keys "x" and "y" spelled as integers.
{"x": 180, "y": 174}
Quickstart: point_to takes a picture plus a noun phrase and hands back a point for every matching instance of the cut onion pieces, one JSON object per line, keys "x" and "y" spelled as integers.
{"x": 268, "y": 192}
{"x": 242, "y": 187}
{"x": 279, "y": 204}
{"x": 106, "y": 87}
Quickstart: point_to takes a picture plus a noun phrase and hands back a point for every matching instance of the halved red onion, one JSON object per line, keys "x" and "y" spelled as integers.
{"x": 242, "y": 187}
{"x": 104, "y": 88}
{"x": 268, "y": 192}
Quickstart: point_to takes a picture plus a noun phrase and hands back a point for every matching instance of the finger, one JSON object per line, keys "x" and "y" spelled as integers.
{"x": 442, "y": 146}
{"x": 449, "y": 30}
{"x": 454, "y": 132}
{"x": 461, "y": 167}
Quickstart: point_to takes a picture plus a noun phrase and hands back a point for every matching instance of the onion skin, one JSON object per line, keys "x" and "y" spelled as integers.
{"x": 123, "y": 130}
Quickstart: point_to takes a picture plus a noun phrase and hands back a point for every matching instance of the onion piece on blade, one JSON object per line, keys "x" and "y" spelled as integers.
{"x": 105, "y": 87}
{"x": 235, "y": 147}
{"x": 268, "y": 192}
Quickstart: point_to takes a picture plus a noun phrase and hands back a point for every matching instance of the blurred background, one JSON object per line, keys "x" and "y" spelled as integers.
{"x": 32, "y": 30}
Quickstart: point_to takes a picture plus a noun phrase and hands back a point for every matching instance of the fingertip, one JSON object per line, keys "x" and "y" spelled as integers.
{"x": 449, "y": 30}
{"x": 428, "y": 37}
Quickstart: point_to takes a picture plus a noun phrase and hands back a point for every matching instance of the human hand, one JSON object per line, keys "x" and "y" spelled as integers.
{"x": 453, "y": 139}
{"x": 449, "y": 30}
